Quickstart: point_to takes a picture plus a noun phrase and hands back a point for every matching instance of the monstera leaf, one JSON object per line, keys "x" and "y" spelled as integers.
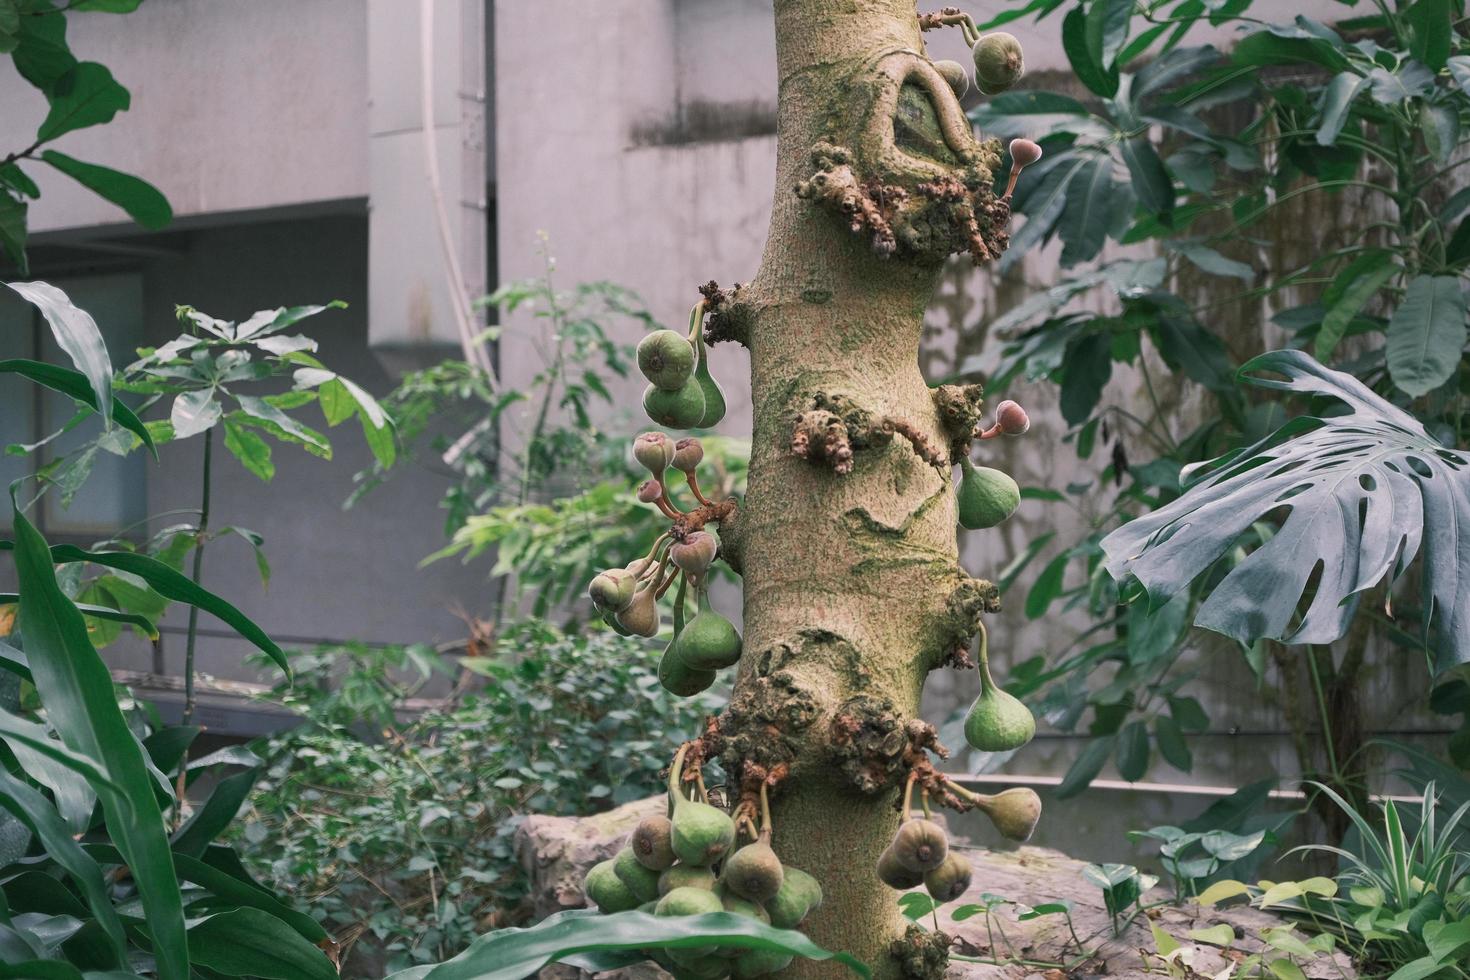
{"x": 1360, "y": 491}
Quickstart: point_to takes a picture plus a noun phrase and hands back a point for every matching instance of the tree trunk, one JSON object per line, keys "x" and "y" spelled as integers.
{"x": 852, "y": 586}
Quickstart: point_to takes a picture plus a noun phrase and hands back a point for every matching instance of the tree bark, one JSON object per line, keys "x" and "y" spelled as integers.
{"x": 852, "y": 587}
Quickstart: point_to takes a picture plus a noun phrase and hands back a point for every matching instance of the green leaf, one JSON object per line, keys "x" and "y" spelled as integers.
{"x": 42, "y": 57}
{"x": 1440, "y": 123}
{"x": 17, "y": 732}
{"x": 76, "y": 334}
{"x": 512, "y": 954}
{"x": 210, "y": 820}
{"x": 283, "y": 426}
{"x": 1221, "y": 935}
{"x": 1092, "y": 204}
{"x": 75, "y": 384}
{"x": 1376, "y": 461}
{"x": 1211, "y": 261}
{"x": 1085, "y": 63}
{"x": 1411, "y": 81}
{"x": 1107, "y": 30}
{"x": 1133, "y": 752}
{"x": 1172, "y": 745}
{"x": 1337, "y": 101}
{"x": 1448, "y": 942}
{"x": 13, "y": 229}
{"x": 1048, "y": 586}
{"x": 253, "y": 452}
{"x": 1430, "y": 31}
{"x": 194, "y": 412}
{"x": 140, "y": 199}
{"x": 1424, "y": 966}
{"x": 172, "y": 584}
{"x": 76, "y": 688}
{"x": 33, "y": 809}
{"x": 87, "y": 95}
{"x": 1459, "y": 67}
{"x": 1086, "y": 766}
{"x": 1353, "y": 287}
{"x": 1085, "y": 372}
{"x": 1426, "y": 334}
{"x": 250, "y": 943}
{"x": 1151, "y": 180}
{"x": 336, "y": 401}
{"x": 107, "y": 6}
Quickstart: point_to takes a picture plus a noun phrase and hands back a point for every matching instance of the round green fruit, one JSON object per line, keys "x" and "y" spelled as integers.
{"x": 682, "y": 408}
{"x": 688, "y": 901}
{"x": 999, "y": 62}
{"x": 986, "y": 496}
{"x": 997, "y": 721}
{"x": 605, "y": 890}
{"x": 666, "y": 359}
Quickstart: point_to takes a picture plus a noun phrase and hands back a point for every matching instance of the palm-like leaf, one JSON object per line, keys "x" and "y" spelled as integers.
{"x": 1361, "y": 491}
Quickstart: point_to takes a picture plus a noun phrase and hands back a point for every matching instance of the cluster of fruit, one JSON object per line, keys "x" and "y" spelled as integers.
{"x": 999, "y": 61}
{"x": 682, "y": 864}
{"x": 986, "y": 495}
{"x": 681, "y": 392}
{"x": 628, "y": 597}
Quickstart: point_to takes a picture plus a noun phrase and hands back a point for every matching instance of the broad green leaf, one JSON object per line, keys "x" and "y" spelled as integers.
{"x": 76, "y": 688}
{"x": 140, "y": 199}
{"x": 1353, "y": 288}
{"x": 1151, "y": 180}
{"x": 1085, "y": 373}
{"x": 1163, "y": 942}
{"x": 280, "y": 424}
{"x": 1426, "y": 334}
{"x": 1412, "y": 80}
{"x": 1285, "y": 969}
{"x": 1440, "y": 124}
{"x": 1222, "y": 891}
{"x": 1086, "y": 766}
{"x": 33, "y": 809}
{"x": 13, "y": 229}
{"x": 1133, "y": 751}
{"x": 253, "y": 452}
{"x": 1107, "y": 30}
{"x": 1448, "y": 942}
{"x": 1048, "y": 586}
{"x": 1221, "y": 935}
{"x": 512, "y": 954}
{"x": 1285, "y": 939}
{"x": 1093, "y": 200}
{"x": 1337, "y": 102}
{"x": 1363, "y": 487}
{"x": 1084, "y": 61}
{"x": 336, "y": 401}
{"x": 1424, "y": 966}
{"x": 87, "y": 95}
{"x": 1211, "y": 261}
{"x": 76, "y": 334}
{"x": 250, "y": 943}
{"x": 1172, "y": 745}
{"x": 1459, "y": 67}
{"x": 194, "y": 412}
{"x": 1231, "y": 847}
{"x": 1430, "y": 31}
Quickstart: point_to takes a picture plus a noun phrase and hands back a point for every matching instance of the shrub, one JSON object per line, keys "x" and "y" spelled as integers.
{"x": 400, "y": 841}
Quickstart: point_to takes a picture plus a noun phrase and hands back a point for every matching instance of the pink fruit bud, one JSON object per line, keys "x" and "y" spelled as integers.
{"x": 1024, "y": 153}
{"x": 650, "y": 491}
{"x": 1011, "y": 418}
{"x": 687, "y": 454}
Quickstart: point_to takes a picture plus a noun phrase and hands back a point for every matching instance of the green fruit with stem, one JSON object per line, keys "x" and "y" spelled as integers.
{"x": 684, "y": 876}
{"x": 682, "y": 408}
{"x": 709, "y": 641}
{"x": 954, "y": 73}
{"x": 688, "y": 901}
{"x": 759, "y": 963}
{"x": 641, "y": 881}
{"x": 613, "y": 590}
{"x": 997, "y": 721}
{"x": 799, "y": 895}
{"x": 641, "y": 617}
{"x": 651, "y": 842}
{"x": 986, "y": 496}
{"x": 999, "y": 62}
{"x": 1014, "y": 812}
{"x": 666, "y": 359}
{"x": 675, "y": 675}
{"x": 714, "y": 397}
{"x": 920, "y": 845}
{"x": 893, "y": 874}
{"x": 754, "y": 872}
{"x": 702, "y": 834}
{"x": 605, "y": 890}
{"x": 950, "y": 880}
{"x": 747, "y": 908}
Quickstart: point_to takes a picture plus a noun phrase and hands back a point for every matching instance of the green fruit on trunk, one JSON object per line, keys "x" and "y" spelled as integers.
{"x": 1014, "y": 812}
{"x": 954, "y": 73}
{"x": 986, "y": 496}
{"x": 641, "y": 881}
{"x": 754, "y": 872}
{"x": 999, "y": 62}
{"x": 605, "y": 890}
{"x": 950, "y": 880}
{"x": 703, "y": 834}
{"x": 679, "y": 409}
{"x": 684, "y": 876}
{"x": 709, "y": 641}
{"x": 714, "y": 397}
{"x": 997, "y": 721}
{"x": 666, "y": 359}
{"x": 650, "y": 842}
{"x": 688, "y": 901}
{"x": 759, "y": 962}
{"x": 920, "y": 845}
{"x": 893, "y": 874}
{"x": 641, "y": 616}
{"x": 678, "y": 678}
{"x": 797, "y": 897}
{"x": 747, "y": 908}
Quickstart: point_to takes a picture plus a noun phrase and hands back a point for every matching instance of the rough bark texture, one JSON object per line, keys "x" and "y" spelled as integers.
{"x": 847, "y": 537}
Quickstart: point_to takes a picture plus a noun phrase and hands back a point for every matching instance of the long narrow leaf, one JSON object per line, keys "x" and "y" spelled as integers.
{"x": 37, "y": 813}
{"x": 210, "y": 820}
{"x": 76, "y": 334}
{"x": 75, "y": 384}
{"x": 98, "y": 612}
{"x": 77, "y": 690}
{"x": 251, "y": 943}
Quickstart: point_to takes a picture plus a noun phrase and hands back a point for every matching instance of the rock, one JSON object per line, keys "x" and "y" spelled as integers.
{"x": 556, "y": 853}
